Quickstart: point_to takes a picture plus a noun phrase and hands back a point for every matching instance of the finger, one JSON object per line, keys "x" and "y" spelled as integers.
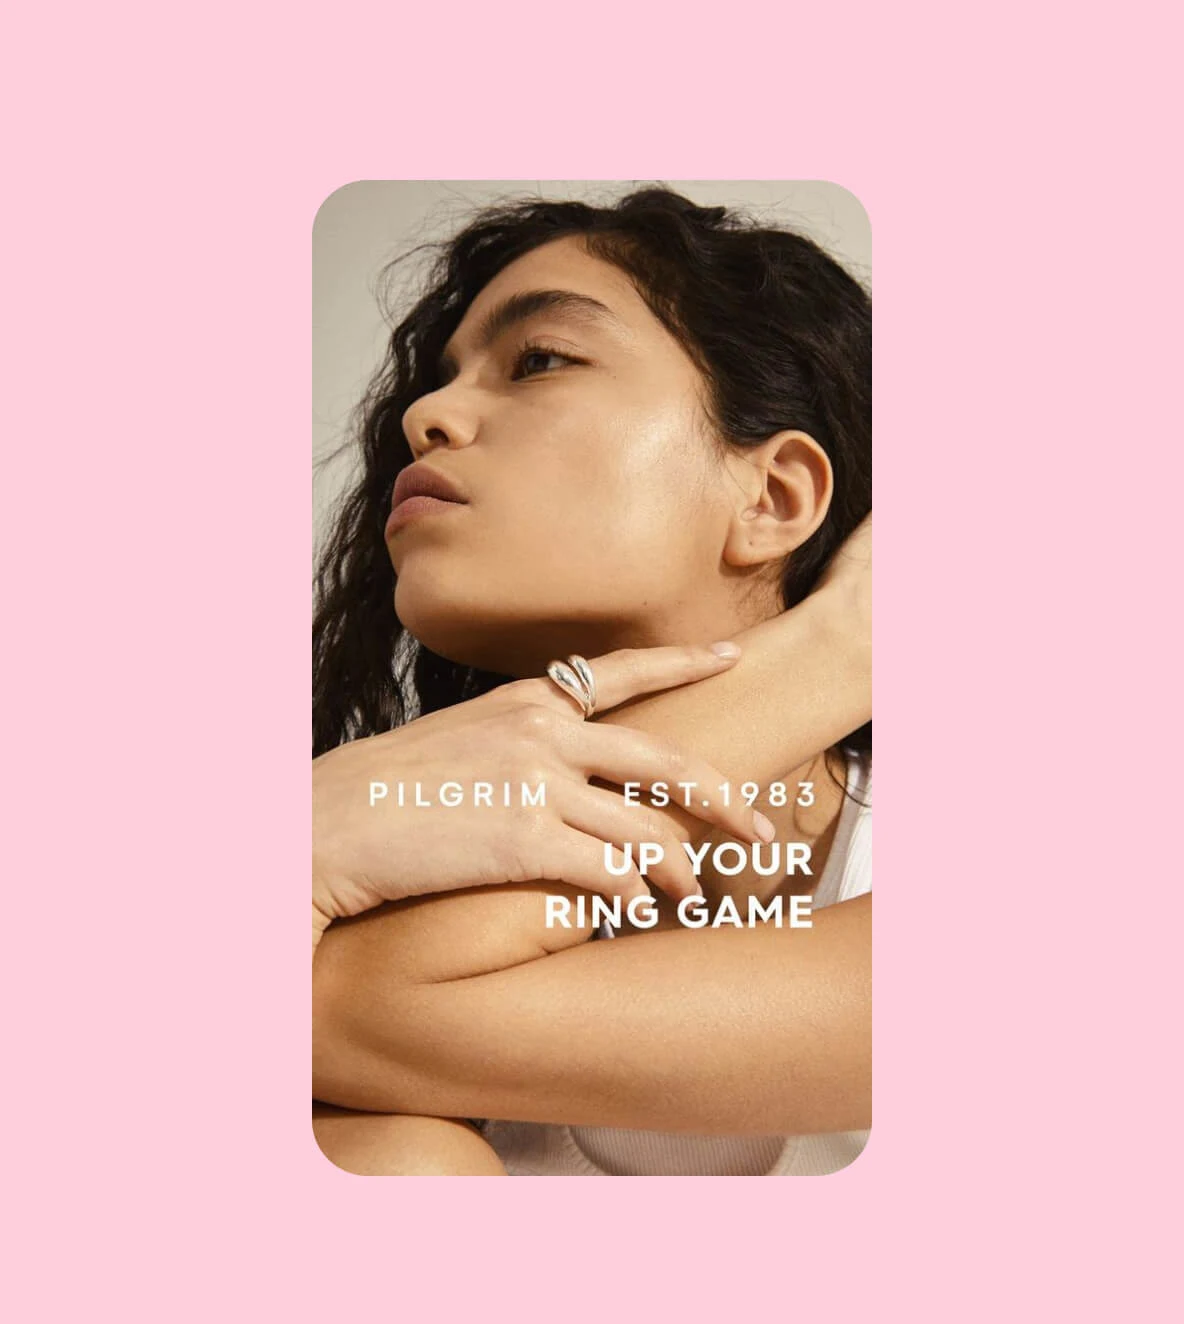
{"x": 605, "y": 815}
{"x": 628, "y": 672}
{"x": 577, "y": 858}
{"x": 619, "y": 754}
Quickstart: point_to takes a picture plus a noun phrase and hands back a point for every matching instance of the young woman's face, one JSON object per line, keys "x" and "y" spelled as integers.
{"x": 595, "y": 506}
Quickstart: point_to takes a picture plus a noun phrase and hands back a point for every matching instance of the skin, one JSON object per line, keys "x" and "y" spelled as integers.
{"x": 402, "y": 1146}
{"x": 600, "y": 512}
{"x": 692, "y": 552}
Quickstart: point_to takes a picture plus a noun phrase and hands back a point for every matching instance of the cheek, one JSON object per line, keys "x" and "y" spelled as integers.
{"x": 638, "y": 547}
{"x": 596, "y": 514}
{"x": 641, "y": 479}
{"x": 616, "y": 520}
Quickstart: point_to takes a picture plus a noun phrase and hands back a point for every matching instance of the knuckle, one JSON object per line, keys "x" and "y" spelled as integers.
{"x": 533, "y": 775}
{"x": 544, "y": 721}
{"x": 532, "y": 728}
{"x": 670, "y": 754}
{"x": 533, "y": 718}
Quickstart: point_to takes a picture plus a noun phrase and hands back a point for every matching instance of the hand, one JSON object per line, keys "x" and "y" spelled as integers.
{"x": 526, "y": 732}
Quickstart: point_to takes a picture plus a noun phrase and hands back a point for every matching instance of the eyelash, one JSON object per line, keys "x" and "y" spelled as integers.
{"x": 534, "y": 347}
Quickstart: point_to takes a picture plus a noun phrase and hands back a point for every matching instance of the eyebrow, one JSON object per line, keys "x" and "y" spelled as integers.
{"x": 516, "y": 308}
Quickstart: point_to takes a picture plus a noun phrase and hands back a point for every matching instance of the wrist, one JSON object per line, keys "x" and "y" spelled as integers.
{"x": 340, "y": 896}
{"x": 320, "y": 922}
{"x": 842, "y": 611}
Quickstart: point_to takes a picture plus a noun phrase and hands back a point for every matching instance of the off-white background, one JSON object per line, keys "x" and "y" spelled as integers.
{"x": 362, "y": 225}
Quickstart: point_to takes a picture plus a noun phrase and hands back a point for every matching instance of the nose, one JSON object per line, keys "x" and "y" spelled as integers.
{"x": 438, "y": 419}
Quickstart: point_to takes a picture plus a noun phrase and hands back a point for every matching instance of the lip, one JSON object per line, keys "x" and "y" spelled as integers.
{"x": 415, "y": 507}
{"x": 420, "y": 491}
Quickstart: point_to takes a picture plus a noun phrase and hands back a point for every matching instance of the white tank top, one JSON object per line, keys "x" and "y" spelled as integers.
{"x": 533, "y": 1149}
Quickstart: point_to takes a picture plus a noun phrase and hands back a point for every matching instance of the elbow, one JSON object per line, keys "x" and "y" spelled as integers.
{"x": 334, "y": 1058}
{"x": 354, "y": 1066}
{"x": 332, "y": 1068}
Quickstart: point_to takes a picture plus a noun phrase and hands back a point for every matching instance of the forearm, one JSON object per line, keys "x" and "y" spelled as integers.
{"x": 755, "y": 1031}
{"x": 802, "y": 683}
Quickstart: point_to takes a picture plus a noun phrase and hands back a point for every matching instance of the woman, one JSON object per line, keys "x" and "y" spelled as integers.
{"x": 686, "y": 472}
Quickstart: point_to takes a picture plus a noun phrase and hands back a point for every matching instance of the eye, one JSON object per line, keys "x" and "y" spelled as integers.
{"x": 537, "y": 351}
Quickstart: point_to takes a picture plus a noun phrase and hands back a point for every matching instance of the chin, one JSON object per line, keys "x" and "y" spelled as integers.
{"x": 452, "y": 630}
{"x": 516, "y": 638}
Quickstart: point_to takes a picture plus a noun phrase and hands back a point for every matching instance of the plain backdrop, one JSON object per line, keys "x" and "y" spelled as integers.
{"x": 361, "y": 226}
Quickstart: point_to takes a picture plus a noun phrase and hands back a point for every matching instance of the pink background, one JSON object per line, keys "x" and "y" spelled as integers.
{"x": 1020, "y": 176}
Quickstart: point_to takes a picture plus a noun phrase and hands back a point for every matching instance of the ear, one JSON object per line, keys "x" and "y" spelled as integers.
{"x": 780, "y": 494}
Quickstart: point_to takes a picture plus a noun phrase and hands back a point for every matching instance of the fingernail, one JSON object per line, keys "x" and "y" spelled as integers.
{"x": 764, "y": 829}
{"x": 726, "y": 649}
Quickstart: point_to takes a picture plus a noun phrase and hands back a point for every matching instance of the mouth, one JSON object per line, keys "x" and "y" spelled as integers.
{"x": 419, "y": 492}
{"x": 416, "y": 507}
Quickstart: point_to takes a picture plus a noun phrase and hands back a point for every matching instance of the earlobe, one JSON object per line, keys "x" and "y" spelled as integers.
{"x": 783, "y": 491}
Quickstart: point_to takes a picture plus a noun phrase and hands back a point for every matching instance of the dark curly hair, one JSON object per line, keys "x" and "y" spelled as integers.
{"x": 779, "y": 330}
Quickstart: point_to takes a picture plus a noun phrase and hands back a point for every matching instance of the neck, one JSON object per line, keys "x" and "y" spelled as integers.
{"x": 812, "y": 823}
{"x": 526, "y": 651}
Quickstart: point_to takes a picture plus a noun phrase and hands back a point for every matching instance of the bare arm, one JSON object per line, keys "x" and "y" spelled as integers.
{"x": 758, "y": 1031}
{"x": 442, "y": 1005}
{"x": 802, "y": 683}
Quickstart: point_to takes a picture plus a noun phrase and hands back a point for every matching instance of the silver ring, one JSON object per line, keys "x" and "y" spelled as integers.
{"x": 574, "y": 677}
{"x": 584, "y": 671}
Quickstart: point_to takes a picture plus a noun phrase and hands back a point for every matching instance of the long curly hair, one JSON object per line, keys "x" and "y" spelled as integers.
{"x": 780, "y": 332}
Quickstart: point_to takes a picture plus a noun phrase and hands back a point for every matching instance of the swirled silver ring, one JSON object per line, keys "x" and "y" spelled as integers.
{"x": 574, "y": 677}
